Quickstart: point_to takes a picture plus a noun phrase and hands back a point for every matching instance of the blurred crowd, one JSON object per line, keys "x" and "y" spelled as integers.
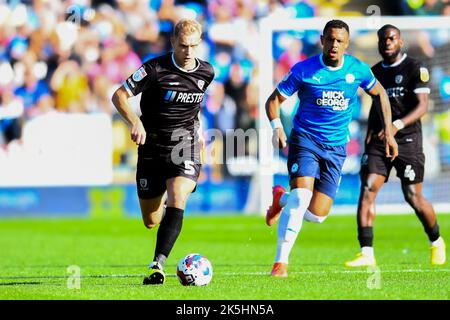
{"x": 425, "y": 7}
{"x": 70, "y": 56}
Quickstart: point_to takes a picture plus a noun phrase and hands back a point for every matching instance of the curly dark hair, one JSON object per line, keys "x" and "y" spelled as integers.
{"x": 385, "y": 27}
{"x": 336, "y": 24}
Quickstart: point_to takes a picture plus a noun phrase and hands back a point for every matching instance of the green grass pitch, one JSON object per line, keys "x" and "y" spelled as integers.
{"x": 113, "y": 255}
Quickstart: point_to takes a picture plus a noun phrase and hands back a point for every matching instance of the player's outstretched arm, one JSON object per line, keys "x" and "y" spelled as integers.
{"x": 120, "y": 101}
{"x": 379, "y": 93}
{"x": 273, "y": 104}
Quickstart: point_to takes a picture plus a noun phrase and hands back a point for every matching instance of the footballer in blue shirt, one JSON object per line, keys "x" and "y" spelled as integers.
{"x": 326, "y": 85}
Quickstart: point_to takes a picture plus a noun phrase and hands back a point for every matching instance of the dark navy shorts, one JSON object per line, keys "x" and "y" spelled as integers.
{"x": 310, "y": 158}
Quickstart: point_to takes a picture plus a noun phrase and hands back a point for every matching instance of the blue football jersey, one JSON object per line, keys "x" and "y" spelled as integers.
{"x": 327, "y": 96}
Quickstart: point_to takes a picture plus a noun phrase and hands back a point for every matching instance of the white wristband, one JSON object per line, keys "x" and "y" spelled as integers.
{"x": 276, "y": 123}
{"x": 398, "y": 124}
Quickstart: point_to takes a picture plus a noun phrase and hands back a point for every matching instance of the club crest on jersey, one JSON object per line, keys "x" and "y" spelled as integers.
{"x": 139, "y": 74}
{"x": 424, "y": 75}
{"x": 294, "y": 168}
{"x": 200, "y": 84}
{"x": 349, "y": 78}
{"x": 398, "y": 78}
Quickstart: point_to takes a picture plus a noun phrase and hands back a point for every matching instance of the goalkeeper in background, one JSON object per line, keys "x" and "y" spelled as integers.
{"x": 406, "y": 82}
{"x": 327, "y": 86}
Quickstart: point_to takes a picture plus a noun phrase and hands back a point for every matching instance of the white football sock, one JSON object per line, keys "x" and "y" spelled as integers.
{"x": 284, "y": 199}
{"x": 309, "y": 216}
{"x": 367, "y": 251}
{"x": 290, "y": 222}
{"x": 438, "y": 242}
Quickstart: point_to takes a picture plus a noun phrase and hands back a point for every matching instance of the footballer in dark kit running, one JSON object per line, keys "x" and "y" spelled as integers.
{"x": 173, "y": 87}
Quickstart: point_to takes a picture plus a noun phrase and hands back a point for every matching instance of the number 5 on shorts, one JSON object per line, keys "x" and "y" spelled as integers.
{"x": 189, "y": 167}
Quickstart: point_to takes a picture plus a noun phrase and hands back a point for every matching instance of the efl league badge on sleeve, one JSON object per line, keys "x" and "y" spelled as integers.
{"x": 140, "y": 74}
{"x": 424, "y": 75}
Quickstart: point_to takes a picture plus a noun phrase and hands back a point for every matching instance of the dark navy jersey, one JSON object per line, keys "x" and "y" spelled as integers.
{"x": 171, "y": 98}
{"x": 402, "y": 81}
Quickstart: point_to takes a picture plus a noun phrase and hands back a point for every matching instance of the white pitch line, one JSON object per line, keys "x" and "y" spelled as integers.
{"x": 258, "y": 273}
{"x": 368, "y": 270}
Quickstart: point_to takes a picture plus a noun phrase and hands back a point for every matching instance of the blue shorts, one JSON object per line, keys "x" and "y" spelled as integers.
{"x": 310, "y": 158}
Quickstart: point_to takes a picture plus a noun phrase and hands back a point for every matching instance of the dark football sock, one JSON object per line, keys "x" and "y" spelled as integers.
{"x": 365, "y": 236}
{"x": 168, "y": 232}
{"x": 432, "y": 233}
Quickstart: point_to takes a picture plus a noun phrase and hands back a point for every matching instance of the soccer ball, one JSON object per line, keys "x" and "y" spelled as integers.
{"x": 194, "y": 270}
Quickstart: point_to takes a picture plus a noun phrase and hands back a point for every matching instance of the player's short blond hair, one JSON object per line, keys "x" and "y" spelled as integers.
{"x": 187, "y": 26}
